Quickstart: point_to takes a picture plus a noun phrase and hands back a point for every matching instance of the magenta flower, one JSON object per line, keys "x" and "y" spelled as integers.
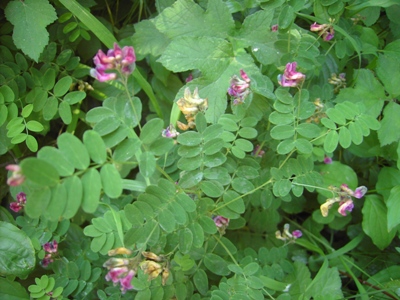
{"x": 121, "y": 275}
{"x": 189, "y": 78}
{"x": 117, "y": 60}
{"x": 297, "y": 234}
{"x": 328, "y": 36}
{"x": 16, "y": 178}
{"x": 126, "y": 282}
{"x": 344, "y": 206}
{"x": 239, "y": 88}
{"x": 327, "y": 160}
{"x": 291, "y": 77}
{"x": 325, "y": 30}
{"x": 48, "y": 259}
{"x": 360, "y": 192}
{"x": 21, "y": 201}
{"x": 274, "y": 28}
{"x": 116, "y": 273}
{"x": 51, "y": 247}
{"x": 170, "y": 132}
{"x": 221, "y": 221}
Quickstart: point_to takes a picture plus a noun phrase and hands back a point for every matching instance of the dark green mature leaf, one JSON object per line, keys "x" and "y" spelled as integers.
{"x": 95, "y": 146}
{"x": 185, "y": 240}
{"x": 57, "y": 204}
{"x": 40, "y": 171}
{"x": 55, "y": 157}
{"x": 216, "y": 264}
{"x": 65, "y": 112}
{"x": 151, "y": 131}
{"x": 73, "y": 186}
{"x": 17, "y": 255}
{"x": 253, "y": 28}
{"x": 12, "y": 290}
{"x": 393, "y": 208}
{"x": 200, "y": 280}
{"x": 375, "y": 221}
{"x": 30, "y": 19}
{"x": 390, "y": 124}
{"x": 38, "y": 202}
{"x": 331, "y": 141}
{"x": 147, "y": 164}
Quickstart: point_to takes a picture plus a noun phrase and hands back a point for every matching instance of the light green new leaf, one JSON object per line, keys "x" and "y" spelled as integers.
{"x": 57, "y": 204}
{"x": 73, "y": 186}
{"x": 57, "y": 159}
{"x": 39, "y": 171}
{"x": 331, "y": 141}
{"x": 38, "y": 202}
{"x": 91, "y": 182}
{"x": 17, "y": 255}
{"x": 74, "y": 150}
{"x": 111, "y": 181}
{"x": 30, "y": 18}
{"x": 65, "y": 112}
{"x": 375, "y": 221}
{"x": 393, "y": 208}
{"x": 344, "y": 137}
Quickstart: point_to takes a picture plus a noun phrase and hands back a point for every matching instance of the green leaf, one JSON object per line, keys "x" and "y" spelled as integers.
{"x": 200, "y": 281}
{"x": 331, "y": 141}
{"x": 49, "y": 108}
{"x": 111, "y": 181}
{"x": 126, "y": 149}
{"x": 390, "y": 124}
{"x": 201, "y": 123}
{"x": 49, "y": 79}
{"x": 282, "y": 132}
{"x": 95, "y": 146}
{"x": 34, "y": 126}
{"x": 190, "y": 138}
{"x": 39, "y": 171}
{"x": 74, "y": 97}
{"x": 74, "y": 151}
{"x": 38, "y": 202}
{"x": 147, "y": 164}
{"x": 7, "y": 93}
{"x": 185, "y": 240}
{"x": 57, "y": 159}
{"x": 73, "y": 186}
{"x": 326, "y": 284}
{"x": 30, "y": 19}
{"x": 252, "y": 30}
{"x": 244, "y": 145}
{"x": 212, "y": 188}
{"x": 286, "y": 17}
{"x": 304, "y": 146}
{"x": 286, "y": 146}
{"x": 151, "y": 131}
{"x": 344, "y": 137}
{"x": 57, "y": 204}
{"x": 17, "y": 255}
{"x": 12, "y": 290}
{"x": 27, "y": 110}
{"x": 393, "y": 208}
{"x": 375, "y": 221}
{"x": 62, "y": 86}
{"x": 216, "y": 264}
{"x": 65, "y": 112}
{"x": 308, "y": 130}
{"x": 91, "y": 183}
{"x": 336, "y": 116}
{"x": 166, "y": 220}
{"x": 31, "y": 143}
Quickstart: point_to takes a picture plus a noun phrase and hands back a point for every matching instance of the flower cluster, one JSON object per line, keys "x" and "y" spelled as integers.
{"x": 16, "y": 178}
{"x": 51, "y": 248}
{"x": 344, "y": 198}
{"x": 338, "y": 81}
{"x": 291, "y": 77}
{"x": 122, "y": 270}
{"x": 190, "y": 104}
{"x": 239, "y": 88}
{"x": 324, "y": 30}
{"x": 120, "y": 60}
{"x": 286, "y": 236}
{"x": 20, "y": 203}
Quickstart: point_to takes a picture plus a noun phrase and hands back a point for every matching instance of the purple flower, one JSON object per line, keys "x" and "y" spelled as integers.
{"x": 297, "y": 234}
{"x": 21, "y": 201}
{"x": 15, "y": 206}
{"x": 325, "y": 30}
{"x": 290, "y": 77}
{"x": 170, "y": 132}
{"x": 327, "y": 160}
{"x": 116, "y": 273}
{"x": 221, "y": 221}
{"x": 16, "y": 178}
{"x": 317, "y": 27}
{"x": 239, "y": 88}
{"x": 360, "y": 192}
{"x": 117, "y": 59}
{"x": 51, "y": 247}
{"x": 189, "y": 78}
{"x": 48, "y": 259}
{"x": 274, "y": 28}
{"x": 328, "y": 36}
{"x": 344, "y": 206}
{"x": 21, "y": 198}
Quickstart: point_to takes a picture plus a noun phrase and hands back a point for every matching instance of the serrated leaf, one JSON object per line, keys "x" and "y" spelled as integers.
{"x": 390, "y": 124}
{"x": 30, "y": 19}
{"x": 375, "y": 221}
{"x": 393, "y": 208}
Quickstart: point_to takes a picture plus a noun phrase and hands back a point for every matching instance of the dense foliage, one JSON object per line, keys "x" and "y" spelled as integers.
{"x": 211, "y": 149}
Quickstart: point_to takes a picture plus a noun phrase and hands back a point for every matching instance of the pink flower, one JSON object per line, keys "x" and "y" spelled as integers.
{"x": 21, "y": 201}
{"x": 274, "y": 28}
{"x": 48, "y": 259}
{"x": 116, "y": 273}
{"x": 328, "y": 36}
{"x": 15, "y": 206}
{"x": 344, "y": 206}
{"x": 16, "y": 178}
{"x": 239, "y": 88}
{"x": 221, "y": 221}
{"x": 291, "y": 77}
{"x": 117, "y": 59}
{"x": 126, "y": 282}
{"x": 51, "y": 247}
{"x": 325, "y": 30}
{"x": 317, "y": 27}
{"x": 327, "y": 160}
{"x": 360, "y": 192}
